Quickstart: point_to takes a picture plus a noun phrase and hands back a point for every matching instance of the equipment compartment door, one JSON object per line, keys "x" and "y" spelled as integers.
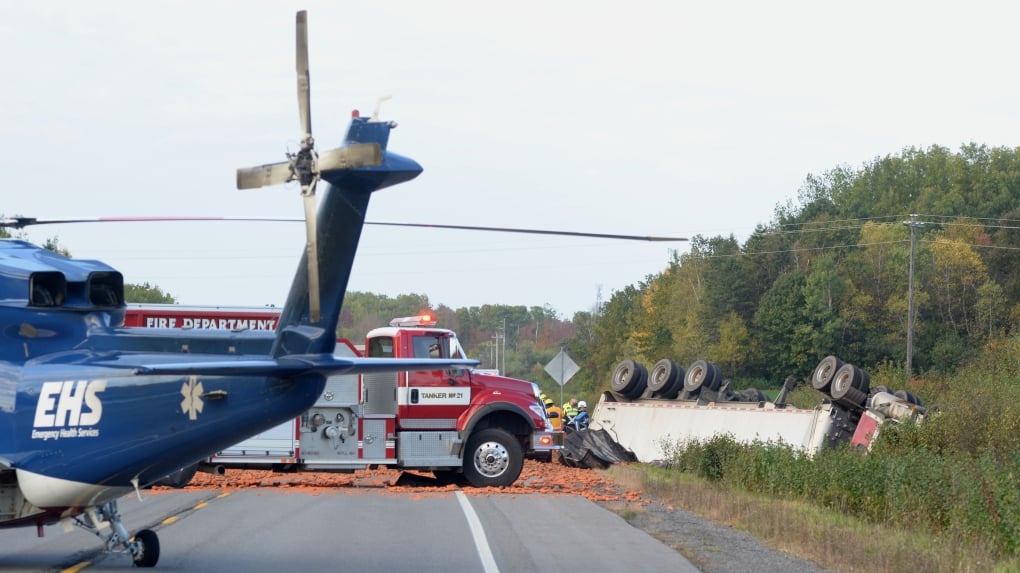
{"x": 373, "y": 443}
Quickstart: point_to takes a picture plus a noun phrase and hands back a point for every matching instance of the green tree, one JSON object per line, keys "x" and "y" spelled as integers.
{"x": 146, "y": 293}
{"x": 614, "y": 327}
{"x": 776, "y": 328}
{"x": 733, "y": 352}
{"x": 876, "y": 304}
{"x": 727, "y": 289}
{"x": 824, "y": 291}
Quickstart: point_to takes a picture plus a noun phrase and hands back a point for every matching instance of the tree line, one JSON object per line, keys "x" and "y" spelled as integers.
{"x": 829, "y": 274}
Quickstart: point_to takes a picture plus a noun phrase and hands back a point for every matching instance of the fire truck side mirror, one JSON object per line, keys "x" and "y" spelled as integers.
{"x": 456, "y": 374}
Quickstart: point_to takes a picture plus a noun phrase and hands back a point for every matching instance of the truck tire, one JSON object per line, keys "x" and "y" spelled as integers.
{"x": 753, "y": 395}
{"x": 908, "y": 397}
{"x": 630, "y": 379}
{"x": 494, "y": 458}
{"x": 666, "y": 379}
{"x": 821, "y": 378}
{"x": 850, "y": 386}
{"x": 702, "y": 374}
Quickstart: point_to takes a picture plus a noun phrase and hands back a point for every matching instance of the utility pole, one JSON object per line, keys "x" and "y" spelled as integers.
{"x": 913, "y": 223}
{"x": 499, "y": 339}
{"x": 495, "y": 349}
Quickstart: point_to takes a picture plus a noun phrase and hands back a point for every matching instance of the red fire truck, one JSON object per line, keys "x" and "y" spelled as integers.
{"x": 462, "y": 425}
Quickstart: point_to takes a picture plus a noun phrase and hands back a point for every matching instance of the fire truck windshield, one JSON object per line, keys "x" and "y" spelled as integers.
{"x": 436, "y": 346}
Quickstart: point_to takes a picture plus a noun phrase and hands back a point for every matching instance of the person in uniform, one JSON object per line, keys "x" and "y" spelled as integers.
{"x": 569, "y": 410}
{"x": 555, "y": 414}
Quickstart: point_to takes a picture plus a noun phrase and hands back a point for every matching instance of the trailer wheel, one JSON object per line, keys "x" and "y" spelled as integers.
{"x": 908, "y": 397}
{"x": 666, "y": 379}
{"x": 494, "y": 458}
{"x": 702, "y": 374}
{"x": 753, "y": 395}
{"x": 821, "y": 378}
{"x": 630, "y": 379}
{"x": 850, "y": 386}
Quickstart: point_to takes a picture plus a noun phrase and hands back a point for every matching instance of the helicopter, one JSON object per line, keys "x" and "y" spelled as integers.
{"x": 92, "y": 410}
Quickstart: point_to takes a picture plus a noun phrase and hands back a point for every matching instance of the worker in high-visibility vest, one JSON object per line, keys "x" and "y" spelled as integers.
{"x": 555, "y": 414}
{"x": 570, "y": 409}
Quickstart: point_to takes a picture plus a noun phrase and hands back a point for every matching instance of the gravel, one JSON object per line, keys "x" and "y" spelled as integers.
{"x": 713, "y": 547}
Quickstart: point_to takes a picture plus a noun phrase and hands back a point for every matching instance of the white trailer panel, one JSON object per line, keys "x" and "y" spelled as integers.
{"x": 644, "y": 427}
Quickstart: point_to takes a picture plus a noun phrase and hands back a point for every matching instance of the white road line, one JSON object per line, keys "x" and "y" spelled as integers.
{"x": 481, "y": 543}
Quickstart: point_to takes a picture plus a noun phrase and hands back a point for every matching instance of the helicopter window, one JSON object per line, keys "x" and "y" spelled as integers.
{"x": 47, "y": 289}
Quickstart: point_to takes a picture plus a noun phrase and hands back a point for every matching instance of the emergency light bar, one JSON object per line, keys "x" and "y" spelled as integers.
{"x": 420, "y": 320}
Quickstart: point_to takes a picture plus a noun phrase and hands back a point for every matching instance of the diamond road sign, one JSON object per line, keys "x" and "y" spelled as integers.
{"x": 561, "y": 368}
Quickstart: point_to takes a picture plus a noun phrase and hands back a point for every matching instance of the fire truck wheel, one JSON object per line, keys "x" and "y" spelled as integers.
{"x": 821, "y": 378}
{"x": 630, "y": 379}
{"x": 494, "y": 458}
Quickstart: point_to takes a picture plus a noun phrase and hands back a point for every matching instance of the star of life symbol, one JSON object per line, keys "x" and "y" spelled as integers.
{"x": 192, "y": 392}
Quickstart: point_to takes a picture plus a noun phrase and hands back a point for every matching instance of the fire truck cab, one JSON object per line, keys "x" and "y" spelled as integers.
{"x": 460, "y": 424}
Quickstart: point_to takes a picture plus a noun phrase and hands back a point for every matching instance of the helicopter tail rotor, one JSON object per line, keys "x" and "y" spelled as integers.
{"x": 307, "y": 166}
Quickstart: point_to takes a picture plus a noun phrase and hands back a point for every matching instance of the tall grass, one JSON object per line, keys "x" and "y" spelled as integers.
{"x": 955, "y": 476}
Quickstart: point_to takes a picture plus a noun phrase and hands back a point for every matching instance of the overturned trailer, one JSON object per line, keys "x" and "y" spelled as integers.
{"x": 648, "y": 411}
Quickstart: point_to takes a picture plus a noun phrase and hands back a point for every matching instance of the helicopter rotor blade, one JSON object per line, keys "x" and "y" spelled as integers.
{"x": 305, "y": 163}
{"x": 304, "y": 80}
{"x": 312, "y": 249}
{"x": 21, "y": 222}
{"x": 651, "y": 238}
{"x": 264, "y": 175}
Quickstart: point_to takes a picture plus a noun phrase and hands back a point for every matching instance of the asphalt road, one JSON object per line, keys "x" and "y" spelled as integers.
{"x": 280, "y": 530}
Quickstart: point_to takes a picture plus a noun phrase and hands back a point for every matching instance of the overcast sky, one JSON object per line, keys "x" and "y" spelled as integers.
{"x": 637, "y": 117}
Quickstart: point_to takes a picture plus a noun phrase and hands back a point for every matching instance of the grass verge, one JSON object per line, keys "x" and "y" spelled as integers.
{"x": 833, "y": 541}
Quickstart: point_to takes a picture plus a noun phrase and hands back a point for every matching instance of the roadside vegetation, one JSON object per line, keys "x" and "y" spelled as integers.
{"x": 828, "y": 538}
